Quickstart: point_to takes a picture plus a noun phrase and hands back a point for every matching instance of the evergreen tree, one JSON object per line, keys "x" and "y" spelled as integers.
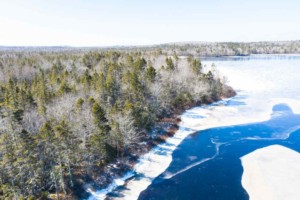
{"x": 79, "y": 104}
{"x": 151, "y": 74}
{"x": 170, "y": 64}
{"x": 99, "y": 138}
{"x": 9, "y": 96}
{"x": 64, "y": 88}
{"x": 140, "y": 64}
{"x": 196, "y": 66}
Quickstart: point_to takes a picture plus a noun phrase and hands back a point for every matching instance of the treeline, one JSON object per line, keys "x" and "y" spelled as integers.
{"x": 64, "y": 115}
{"x": 185, "y": 48}
{"x": 230, "y": 48}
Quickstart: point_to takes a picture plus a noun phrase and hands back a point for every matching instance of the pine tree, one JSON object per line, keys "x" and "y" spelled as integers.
{"x": 79, "y": 104}
{"x": 48, "y": 154}
{"x": 196, "y": 66}
{"x": 99, "y": 138}
{"x": 64, "y": 88}
{"x": 66, "y": 147}
{"x": 41, "y": 93}
{"x": 86, "y": 81}
{"x": 100, "y": 118}
{"x": 151, "y": 73}
{"x": 111, "y": 86}
{"x": 9, "y": 95}
{"x": 175, "y": 56}
{"x": 139, "y": 64}
{"x": 170, "y": 64}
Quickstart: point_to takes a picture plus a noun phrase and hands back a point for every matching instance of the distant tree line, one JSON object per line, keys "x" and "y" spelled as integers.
{"x": 181, "y": 48}
{"x": 229, "y": 48}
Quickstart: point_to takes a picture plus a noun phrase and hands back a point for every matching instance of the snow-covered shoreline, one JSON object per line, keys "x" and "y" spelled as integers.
{"x": 254, "y": 103}
{"x": 157, "y": 160}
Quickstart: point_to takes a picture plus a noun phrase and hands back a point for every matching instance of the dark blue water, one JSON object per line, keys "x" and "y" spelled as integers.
{"x": 207, "y": 165}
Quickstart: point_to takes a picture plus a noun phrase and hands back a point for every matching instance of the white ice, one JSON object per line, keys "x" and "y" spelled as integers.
{"x": 272, "y": 173}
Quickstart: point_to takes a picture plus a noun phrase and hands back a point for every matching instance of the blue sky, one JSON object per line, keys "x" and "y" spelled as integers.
{"x": 137, "y": 22}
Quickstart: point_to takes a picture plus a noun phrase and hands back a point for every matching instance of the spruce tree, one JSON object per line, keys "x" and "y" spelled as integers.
{"x": 170, "y": 64}
{"x": 151, "y": 74}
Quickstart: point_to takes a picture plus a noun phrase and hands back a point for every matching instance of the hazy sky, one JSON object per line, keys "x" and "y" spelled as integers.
{"x": 137, "y": 22}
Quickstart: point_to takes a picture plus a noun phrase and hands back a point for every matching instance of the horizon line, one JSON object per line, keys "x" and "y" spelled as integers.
{"x": 146, "y": 45}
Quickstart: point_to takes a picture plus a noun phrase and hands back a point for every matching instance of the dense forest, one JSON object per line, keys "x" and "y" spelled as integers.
{"x": 67, "y": 113}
